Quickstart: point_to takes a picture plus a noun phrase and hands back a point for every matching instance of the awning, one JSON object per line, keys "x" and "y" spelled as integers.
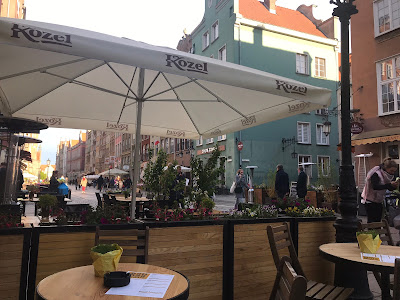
{"x": 376, "y": 136}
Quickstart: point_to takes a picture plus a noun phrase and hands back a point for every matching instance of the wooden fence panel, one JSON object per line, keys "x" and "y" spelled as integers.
{"x": 311, "y": 235}
{"x": 254, "y": 268}
{"x": 61, "y": 251}
{"x": 11, "y": 249}
{"x": 196, "y": 252}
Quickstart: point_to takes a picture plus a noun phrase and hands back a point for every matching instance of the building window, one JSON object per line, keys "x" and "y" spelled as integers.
{"x": 193, "y": 49}
{"x": 210, "y": 141}
{"x": 389, "y": 85}
{"x": 320, "y": 70}
{"x": 206, "y": 40}
{"x": 214, "y": 31}
{"x": 322, "y": 138}
{"x": 322, "y": 111}
{"x": 302, "y": 64}
{"x": 303, "y": 133}
{"x": 199, "y": 142}
{"x": 306, "y": 162}
{"x": 222, "y": 53}
{"x": 324, "y": 166}
{"x": 386, "y": 15}
{"x": 222, "y": 137}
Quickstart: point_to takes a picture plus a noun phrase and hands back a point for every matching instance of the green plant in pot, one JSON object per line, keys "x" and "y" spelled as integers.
{"x": 32, "y": 190}
{"x": 46, "y": 202}
{"x": 105, "y": 258}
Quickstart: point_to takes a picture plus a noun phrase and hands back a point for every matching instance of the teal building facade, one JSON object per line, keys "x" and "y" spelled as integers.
{"x": 288, "y": 43}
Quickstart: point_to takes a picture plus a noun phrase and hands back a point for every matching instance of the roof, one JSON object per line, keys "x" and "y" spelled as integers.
{"x": 284, "y": 17}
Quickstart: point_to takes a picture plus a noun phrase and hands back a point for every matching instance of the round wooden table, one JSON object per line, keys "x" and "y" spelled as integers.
{"x": 350, "y": 254}
{"x": 80, "y": 283}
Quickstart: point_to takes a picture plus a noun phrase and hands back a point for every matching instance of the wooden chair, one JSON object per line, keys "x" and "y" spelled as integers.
{"x": 396, "y": 288}
{"x": 288, "y": 285}
{"x": 382, "y": 228}
{"x": 134, "y": 242}
{"x": 106, "y": 199}
{"x": 280, "y": 240}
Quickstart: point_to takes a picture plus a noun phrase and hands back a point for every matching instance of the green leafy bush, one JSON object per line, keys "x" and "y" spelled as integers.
{"x": 104, "y": 248}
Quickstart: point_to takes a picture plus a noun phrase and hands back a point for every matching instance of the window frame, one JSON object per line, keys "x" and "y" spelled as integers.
{"x": 205, "y": 40}
{"x": 395, "y": 80}
{"x": 309, "y": 133}
{"x": 318, "y": 74}
{"x": 209, "y": 141}
{"x": 213, "y": 31}
{"x": 219, "y": 52}
{"x": 322, "y": 169}
{"x": 221, "y": 138}
{"x": 306, "y": 167}
{"x": 376, "y": 18}
{"x": 322, "y": 134}
{"x": 306, "y": 68}
{"x": 199, "y": 142}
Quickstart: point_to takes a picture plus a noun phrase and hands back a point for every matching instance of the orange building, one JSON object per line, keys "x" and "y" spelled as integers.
{"x": 375, "y": 32}
{"x": 12, "y": 9}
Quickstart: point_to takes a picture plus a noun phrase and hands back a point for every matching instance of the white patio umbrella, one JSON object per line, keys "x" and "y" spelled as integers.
{"x": 113, "y": 172}
{"x": 71, "y": 78}
{"x": 183, "y": 169}
{"x": 29, "y": 176}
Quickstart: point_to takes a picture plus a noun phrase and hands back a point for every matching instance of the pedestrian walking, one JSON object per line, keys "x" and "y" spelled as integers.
{"x": 301, "y": 186}
{"x": 379, "y": 179}
{"x": 100, "y": 182}
{"x": 83, "y": 184}
{"x": 281, "y": 182}
{"x": 240, "y": 188}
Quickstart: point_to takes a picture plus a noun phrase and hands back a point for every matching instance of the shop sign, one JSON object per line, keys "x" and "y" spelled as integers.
{"x": 356, "y": 128}
{"x": 209, "y": 150}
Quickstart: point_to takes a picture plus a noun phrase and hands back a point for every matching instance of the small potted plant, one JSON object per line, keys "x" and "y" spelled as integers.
{"x": 46, "y": 202}
{"x": 105, "y": 258}
{"x": 369, "y": 241}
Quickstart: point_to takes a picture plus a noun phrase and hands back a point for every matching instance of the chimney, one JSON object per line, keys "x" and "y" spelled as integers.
{"x": 270, "y": 4}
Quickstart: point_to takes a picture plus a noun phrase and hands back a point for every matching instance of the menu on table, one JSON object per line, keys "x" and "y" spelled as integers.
{"x": 379, "y": 257}
{"x": 150, "y": 285}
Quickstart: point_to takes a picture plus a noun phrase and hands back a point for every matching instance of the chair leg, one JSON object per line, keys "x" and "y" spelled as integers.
{"x": 378, "y": 278}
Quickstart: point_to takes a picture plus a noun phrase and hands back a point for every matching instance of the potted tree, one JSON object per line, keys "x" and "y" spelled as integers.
{"x": 46, "y": 202}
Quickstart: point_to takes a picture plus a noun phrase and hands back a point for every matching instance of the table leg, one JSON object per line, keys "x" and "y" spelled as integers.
{"x": 385, "y": 286}
{"x": 353, "y": 277}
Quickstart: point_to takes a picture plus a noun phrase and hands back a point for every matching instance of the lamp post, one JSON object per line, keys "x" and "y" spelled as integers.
{"x": 346, "y": 225}
{"x": 48, "y": 167}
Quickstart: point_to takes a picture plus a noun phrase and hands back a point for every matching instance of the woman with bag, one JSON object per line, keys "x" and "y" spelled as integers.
{"x": 379, "y": 179}
{"x": 240, "y": 185}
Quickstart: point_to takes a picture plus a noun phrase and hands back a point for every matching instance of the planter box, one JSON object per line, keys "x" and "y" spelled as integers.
{"x": 312, "y": 196}
{"x": 259, "y": 196}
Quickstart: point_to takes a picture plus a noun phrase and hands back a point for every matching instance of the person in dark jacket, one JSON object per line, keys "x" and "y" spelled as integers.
{"x": 281, "y": 182}
{"x": 100, "y": 182}
{"x": 53, "y": 186}
{"x": 301, "y": 186}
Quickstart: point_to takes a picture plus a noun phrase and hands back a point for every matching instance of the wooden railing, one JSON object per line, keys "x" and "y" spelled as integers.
{"x": 223, "y": 259}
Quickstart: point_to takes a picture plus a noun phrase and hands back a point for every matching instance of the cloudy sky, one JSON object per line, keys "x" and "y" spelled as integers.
{"x": 157, "y": 22}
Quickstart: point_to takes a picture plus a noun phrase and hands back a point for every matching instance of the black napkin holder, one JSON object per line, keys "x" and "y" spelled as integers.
{"x": 116, "y": 279}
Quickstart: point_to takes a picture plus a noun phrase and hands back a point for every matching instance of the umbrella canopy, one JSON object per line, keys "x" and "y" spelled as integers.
{"x": 71, "y": 78}
{"x": 183, "y": 169}
{"x": 113, "y": 172}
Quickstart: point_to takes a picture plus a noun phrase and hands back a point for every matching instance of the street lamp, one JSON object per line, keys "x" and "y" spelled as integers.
{"x": 346, "y": 226}
{"x": 48, "y": 167}
{"x": 326, "y": 128}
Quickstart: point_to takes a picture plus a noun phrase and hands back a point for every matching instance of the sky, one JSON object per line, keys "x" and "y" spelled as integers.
{"x": 157, "y": 22}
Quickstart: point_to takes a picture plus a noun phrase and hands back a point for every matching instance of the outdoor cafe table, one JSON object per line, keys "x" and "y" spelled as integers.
{"x": 350, "y": 255}
{"x": 80, "y": 283}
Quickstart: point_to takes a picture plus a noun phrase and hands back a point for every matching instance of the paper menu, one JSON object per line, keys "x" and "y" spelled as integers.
{"x": 379, "y": 257}
{"x": 150, "y": 285}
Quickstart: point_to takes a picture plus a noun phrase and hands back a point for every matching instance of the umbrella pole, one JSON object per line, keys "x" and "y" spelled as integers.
{"x": 138, "y": 141}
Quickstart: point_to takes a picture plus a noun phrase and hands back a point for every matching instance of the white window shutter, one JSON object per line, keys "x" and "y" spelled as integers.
{"x": 300, "y": 133}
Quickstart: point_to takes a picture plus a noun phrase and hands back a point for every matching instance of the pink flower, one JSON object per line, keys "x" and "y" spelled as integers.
{"x": 297, "y": 204}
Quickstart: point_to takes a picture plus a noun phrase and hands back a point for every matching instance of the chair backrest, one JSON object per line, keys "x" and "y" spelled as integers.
{"x": 106, "y": 199}
{"x": 134, "y": 242}
{"x": 281, "y": 243}
{"x": 396, "y": 287}
{"x": 61, "y": 202}
{"x": 380, "y": 227}
{"x": 113, "y": 199}
{"x": 99, "y": 202}
{"x": 288, "y": 285}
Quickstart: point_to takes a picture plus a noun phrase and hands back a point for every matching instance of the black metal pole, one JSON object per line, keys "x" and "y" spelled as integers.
{"x": 346, "y": 225}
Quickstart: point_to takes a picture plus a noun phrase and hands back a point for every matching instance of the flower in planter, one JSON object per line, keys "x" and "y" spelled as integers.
{"x": 311, "y": 212}
{"x": 293, "y": 212}
{"x": 59, "y": 216}
{"x": 10, "y": 221}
